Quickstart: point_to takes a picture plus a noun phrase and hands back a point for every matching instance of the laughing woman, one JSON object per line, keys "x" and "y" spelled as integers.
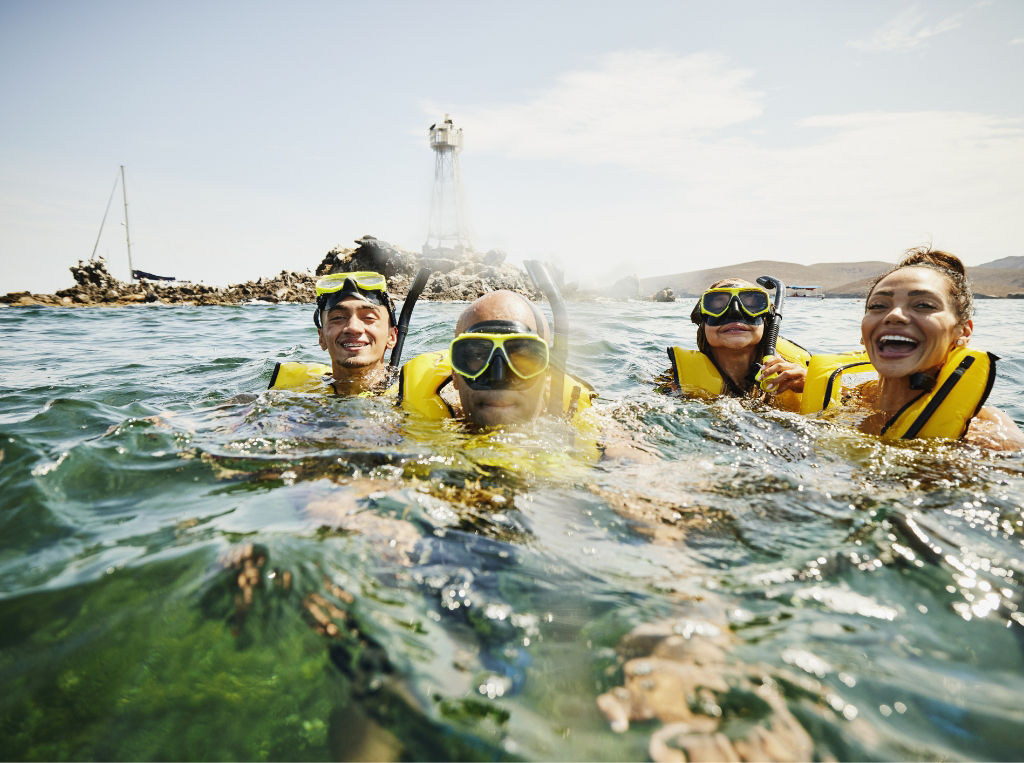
{"x": 916, "y": 327}
{"x": 733, "y": 320}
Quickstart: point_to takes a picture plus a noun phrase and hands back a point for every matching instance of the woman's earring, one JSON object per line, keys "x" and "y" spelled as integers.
{"x": 961, "y": 342}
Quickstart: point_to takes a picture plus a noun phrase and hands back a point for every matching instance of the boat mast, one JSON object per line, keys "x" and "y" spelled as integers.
{"x": 127, "y": 235}
{"x": 104, "y": 220}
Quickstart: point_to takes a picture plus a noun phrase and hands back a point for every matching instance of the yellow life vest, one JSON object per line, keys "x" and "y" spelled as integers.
{"x": 962, "y": 386}
{"x": 696, "y": 374}
{"x": 295, "y": 376}
{"x": 424, "y": 376}
{"x": 301, "y": 377}
{"x": 419, "y": 391}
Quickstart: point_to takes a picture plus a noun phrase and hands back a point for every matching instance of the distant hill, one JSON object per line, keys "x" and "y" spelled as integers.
{"x": 828, "y": 274}
{"x": 839, "y": 279}
{"x": 1013, "y": 263}
{"x": 998, "y": 278}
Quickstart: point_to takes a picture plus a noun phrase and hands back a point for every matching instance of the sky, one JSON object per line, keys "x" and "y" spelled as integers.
{"x": 649, "y": 137}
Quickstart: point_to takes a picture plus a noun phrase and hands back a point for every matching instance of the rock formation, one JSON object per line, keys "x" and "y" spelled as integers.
{"x": 467, "y": 278}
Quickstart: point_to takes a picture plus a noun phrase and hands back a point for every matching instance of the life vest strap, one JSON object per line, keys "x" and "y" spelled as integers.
{"x": 940, "y": 395}
{"x": 963, "y": 386}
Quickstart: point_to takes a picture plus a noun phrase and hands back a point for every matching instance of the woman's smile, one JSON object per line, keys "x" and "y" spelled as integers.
{"x": 892, "y": 345}
{"x": 909, "y": 324}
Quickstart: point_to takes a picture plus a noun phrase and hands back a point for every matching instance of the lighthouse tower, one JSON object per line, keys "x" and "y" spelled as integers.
{"x": 448, "y": 229}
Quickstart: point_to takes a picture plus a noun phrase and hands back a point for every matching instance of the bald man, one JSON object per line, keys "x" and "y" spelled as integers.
{"x": 499, "y": 395}
{"x": 496, "y": 371}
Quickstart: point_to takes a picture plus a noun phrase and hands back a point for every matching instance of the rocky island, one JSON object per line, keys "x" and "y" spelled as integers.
{"x": 466, "y": 275}
{"x": 465, "y": 278}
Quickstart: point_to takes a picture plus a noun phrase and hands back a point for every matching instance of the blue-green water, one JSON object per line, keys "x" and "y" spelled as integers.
{"x": 410, "y": 597}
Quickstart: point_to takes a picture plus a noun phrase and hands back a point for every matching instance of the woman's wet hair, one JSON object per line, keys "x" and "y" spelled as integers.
{"x": 960, "y": 291}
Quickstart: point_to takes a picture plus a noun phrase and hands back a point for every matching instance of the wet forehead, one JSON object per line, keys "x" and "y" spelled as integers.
{"x": 500, "y": 308}
{"x": 350, "y": 305}
{"x": 913, "y": 282}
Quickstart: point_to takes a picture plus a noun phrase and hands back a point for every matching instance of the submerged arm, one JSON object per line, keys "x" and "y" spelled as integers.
{"x": 992, "y": 428}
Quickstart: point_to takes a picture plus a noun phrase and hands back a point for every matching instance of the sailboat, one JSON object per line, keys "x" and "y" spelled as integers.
{"x": 136, "y": 275}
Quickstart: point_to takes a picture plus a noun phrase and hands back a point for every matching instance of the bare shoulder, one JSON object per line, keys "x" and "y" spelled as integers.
{"x": 992, "y": 428}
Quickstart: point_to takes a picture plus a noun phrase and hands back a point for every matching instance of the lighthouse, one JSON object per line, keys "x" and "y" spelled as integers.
{"x": 448, "y": 229}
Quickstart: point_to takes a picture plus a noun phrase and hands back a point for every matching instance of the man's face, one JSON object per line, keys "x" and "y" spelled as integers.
{"x": 356, "y": 333}
{"x": 499, "y": 407}
{"x": 499, "y": 396}
{"x": 501, "y": 399}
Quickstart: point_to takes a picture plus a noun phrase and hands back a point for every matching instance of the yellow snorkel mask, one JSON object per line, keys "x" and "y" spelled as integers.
{"x": 484, "y": 353}
{"x": 363, "y": 284}
{"x": 726, "y": 304}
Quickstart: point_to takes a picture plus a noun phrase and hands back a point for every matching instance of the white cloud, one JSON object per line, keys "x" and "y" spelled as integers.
{"x": 637, "y": 109}
{"x": 1017, "y": 41}
{"x": 907, "y": 31}
{"x": 679, "y": 168}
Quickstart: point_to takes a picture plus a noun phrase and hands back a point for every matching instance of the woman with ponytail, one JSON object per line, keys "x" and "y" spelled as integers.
{"x": 916, "y": 328}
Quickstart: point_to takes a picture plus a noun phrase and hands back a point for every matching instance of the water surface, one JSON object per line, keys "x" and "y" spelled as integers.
{"x": 193, "y": 568}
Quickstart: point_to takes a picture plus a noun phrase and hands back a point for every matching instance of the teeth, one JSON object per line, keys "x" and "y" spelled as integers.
{"x": 897, "y": 338}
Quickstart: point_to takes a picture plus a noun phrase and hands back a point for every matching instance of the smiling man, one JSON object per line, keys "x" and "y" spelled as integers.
{"x": 355, "y": 321}
{"x": 496, "y": 372}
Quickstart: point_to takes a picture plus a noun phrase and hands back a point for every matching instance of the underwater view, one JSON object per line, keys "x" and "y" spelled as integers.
{"x": 195, "y": 568}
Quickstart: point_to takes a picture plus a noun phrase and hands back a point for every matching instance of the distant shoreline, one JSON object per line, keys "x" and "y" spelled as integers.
{"x": 455, "y": 276}
{"x": 214, "y": 296}
{"x": 465, "y": 275}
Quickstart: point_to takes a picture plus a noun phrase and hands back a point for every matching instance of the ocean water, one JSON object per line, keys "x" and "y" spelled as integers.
{"x": 194, "y": 568}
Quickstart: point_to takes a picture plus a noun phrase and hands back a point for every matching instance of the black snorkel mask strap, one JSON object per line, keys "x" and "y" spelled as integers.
{"x": 499, "y": 327}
